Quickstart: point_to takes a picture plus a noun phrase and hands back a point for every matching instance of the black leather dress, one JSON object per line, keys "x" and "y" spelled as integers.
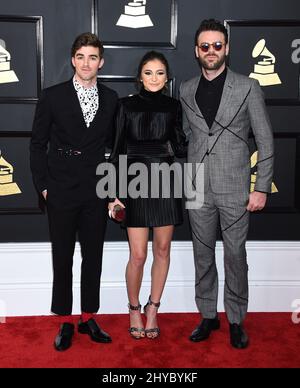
{"x": 149, "y": 131}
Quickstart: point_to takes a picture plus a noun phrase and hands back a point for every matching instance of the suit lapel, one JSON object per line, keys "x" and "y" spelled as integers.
{"x": 193, "y": 103}
{"x": 80, "y": 132}
{"x": 100, "y": 118}
{"x": 75, "y": 105}
{"x": 102, "y": 107}
{"x": 225, "y": 99}
{"x": 76, "y": 108}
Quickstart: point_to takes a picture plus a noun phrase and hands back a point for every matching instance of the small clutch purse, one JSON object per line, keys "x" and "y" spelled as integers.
{"x": 119, "y": 213}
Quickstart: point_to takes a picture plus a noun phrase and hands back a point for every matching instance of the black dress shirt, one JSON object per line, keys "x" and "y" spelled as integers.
{"x": 208, "y": 96}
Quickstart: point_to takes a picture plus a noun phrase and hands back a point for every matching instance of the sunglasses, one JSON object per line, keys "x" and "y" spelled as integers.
{"x": 216, "y": 45}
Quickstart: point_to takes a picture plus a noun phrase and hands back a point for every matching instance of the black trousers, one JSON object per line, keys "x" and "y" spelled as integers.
{"x": 88, "y": 221}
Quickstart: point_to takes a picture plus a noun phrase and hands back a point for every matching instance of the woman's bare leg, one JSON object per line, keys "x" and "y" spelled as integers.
{"x": 162, "y": 237}
{"x": 138, "y": 245}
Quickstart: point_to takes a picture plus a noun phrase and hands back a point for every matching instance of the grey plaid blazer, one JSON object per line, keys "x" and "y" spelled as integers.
{"x": 224, "y": 148}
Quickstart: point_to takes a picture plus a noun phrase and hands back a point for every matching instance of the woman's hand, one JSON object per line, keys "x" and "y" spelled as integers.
{"x": 111, "y": 206}
{"x": 44, "y": 194}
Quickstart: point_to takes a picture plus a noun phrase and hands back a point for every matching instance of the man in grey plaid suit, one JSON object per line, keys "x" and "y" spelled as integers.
{"x": 220, "y": 107}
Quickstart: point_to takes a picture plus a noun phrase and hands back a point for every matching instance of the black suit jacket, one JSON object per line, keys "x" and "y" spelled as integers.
{"x": 59, "y": 125}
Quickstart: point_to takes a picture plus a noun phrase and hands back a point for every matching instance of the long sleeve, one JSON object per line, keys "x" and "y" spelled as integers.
{"x": 39, "y": 143}
{"x": 185, "y": 121}
{"x": 178, "y": 140}
{"x": 262, "y": 131}
{"x": 119, "y": 146}
{"x": 109, "y": 143}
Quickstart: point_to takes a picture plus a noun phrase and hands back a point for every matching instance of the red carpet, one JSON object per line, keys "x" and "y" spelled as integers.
{"x": 274, "y": 342}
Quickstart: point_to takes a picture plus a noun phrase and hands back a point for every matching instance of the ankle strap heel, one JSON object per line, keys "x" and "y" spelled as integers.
{"x": 136, "y": 332}
{"x": 135, "y": 308}
{"x": 151, "y": 303}
{"x": 155, "y": 331}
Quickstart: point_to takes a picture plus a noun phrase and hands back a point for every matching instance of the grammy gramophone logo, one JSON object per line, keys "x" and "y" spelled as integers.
{"x": 6, "y": 74}
{"x": 254, "y": 173}
{"x": 7, "y": 185}
{"x": 264, "y": 69}
{"x": 135, "y": 16}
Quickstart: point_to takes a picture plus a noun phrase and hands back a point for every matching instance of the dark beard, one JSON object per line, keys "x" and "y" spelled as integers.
{"x": 214, "y": 66}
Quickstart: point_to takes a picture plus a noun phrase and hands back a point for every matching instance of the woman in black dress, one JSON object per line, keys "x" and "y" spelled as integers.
{"x": 149, "y": 131}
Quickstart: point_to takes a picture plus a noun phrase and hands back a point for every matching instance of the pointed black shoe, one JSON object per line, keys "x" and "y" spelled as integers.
{"x": 63, "y": 340}
{"x": 238, "y": 336}
{"x": 202, "y": 332}
{"x": 94, "y": 331}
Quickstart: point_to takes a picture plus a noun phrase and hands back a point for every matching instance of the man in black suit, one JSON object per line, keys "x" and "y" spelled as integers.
{"x": 72, "y": 127}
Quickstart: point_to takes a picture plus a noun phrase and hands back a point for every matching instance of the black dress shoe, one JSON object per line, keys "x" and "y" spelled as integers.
{"x": 63, "y": 340}
{"x": 202, "y": 332}
{"x": 238, "y": 336}
{"x": 94, "y": 331}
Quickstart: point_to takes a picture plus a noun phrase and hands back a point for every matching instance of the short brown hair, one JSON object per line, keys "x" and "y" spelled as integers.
{"x": 87, "y": 39}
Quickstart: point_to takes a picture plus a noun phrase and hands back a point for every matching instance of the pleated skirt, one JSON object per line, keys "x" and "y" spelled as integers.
{"x": 153, "y": 212}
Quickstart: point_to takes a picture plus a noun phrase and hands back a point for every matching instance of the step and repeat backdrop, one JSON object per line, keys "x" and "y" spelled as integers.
{"x": 35, "y": 41}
